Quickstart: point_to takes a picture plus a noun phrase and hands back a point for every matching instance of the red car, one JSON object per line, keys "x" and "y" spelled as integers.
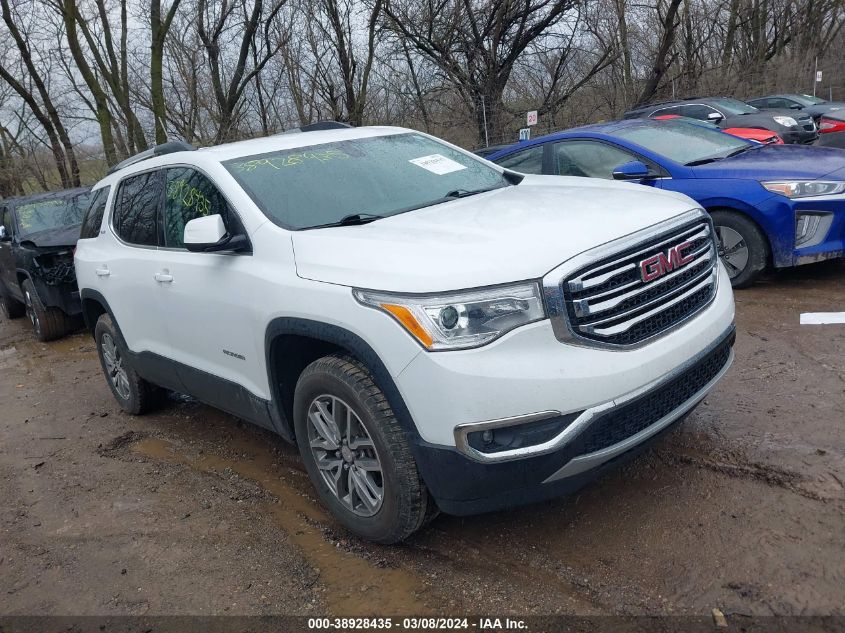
{"x": 766, "y": 137}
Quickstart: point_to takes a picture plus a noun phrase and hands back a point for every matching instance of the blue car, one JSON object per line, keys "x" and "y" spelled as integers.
{"x": 772, "y": 205}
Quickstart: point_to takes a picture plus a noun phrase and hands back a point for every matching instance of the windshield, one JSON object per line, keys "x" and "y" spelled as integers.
{"x": 307, "y": 187}
{"x": 808, "y": 100}
{"x": 734, "y": 106}
{"x": 682, "y": 142}
{"x": 53, "y": 213}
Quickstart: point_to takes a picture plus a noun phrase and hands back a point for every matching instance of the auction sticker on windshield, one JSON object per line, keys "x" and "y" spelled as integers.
{"x": 437, "y": 164}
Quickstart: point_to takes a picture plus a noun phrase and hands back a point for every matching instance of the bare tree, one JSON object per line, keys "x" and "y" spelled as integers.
{"x": 159, "y": 28}
{"x": 40, "y": 102}
{"x": 475, "y": 44}
{"x": 212, "y": 26}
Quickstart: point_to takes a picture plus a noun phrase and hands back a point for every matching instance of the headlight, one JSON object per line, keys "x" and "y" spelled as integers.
{"x": 786, "y": 121}
{"x": 804, "y": 189}
{"x": 459, "y": 320}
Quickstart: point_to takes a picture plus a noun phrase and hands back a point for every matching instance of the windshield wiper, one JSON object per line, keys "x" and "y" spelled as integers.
{"x": 743, "y": 149}
{"x": 703, "y": 161}
{"x": 712, "y": 159}
{"x": 353, "y": 219}
{"x": 464, "y": 193}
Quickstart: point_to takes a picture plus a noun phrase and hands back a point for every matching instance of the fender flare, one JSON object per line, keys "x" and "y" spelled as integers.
{"x": 93, "y": 295}
{"x": 349, "y": 341}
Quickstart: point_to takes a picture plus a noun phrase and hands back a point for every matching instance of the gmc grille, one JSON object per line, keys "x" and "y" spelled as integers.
{"x": 644, "y": 289}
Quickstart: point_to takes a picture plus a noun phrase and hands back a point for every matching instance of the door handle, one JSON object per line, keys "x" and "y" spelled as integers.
{"x": 103, "y": 272}
{"x": 164, "y": 277}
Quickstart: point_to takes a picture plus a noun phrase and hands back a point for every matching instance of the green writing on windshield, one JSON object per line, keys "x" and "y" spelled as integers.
{"x": 290, "y": 160}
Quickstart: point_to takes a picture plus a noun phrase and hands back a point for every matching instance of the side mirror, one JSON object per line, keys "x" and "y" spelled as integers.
{"x": 208, "y": 235}
{"x": 635, "y": 170}
{"x": 795, "y": 106}
{"x": 4, "y": 237}
{"x": 715, "y": 117}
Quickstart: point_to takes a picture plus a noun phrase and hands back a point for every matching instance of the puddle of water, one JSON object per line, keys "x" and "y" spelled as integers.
{"x": 354, "y": 585}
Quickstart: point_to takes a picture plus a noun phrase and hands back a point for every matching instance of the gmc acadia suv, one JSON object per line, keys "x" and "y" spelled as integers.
{"x": 433, "y": 331}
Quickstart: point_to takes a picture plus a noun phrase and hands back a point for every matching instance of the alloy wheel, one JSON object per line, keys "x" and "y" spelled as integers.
{"x": 732, "y": 250}
{"x": 114, "y": 366}
{"x": 30, "y": 312}
{"x": 345, "y": 455}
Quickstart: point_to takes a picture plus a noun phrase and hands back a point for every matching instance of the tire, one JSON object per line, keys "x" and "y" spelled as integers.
{"x": 747, "y": 254}
{"x": 47, "y": 323}
{"x": 374, "y": 452}
{"x": 134, "y": 394}
{"x": 12, "y": 308}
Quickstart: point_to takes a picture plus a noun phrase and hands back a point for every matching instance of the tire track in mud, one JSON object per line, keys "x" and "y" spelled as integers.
{"x": 356, "y": 581}
{"x": 355, "y": 586}
{"x": 766, "y": 473}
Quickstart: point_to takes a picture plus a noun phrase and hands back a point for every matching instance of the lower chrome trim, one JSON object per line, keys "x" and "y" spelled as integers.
{"x": 586, "y": 418}
{"x": 592, "y": 460}
{"x": 462, "y": 430}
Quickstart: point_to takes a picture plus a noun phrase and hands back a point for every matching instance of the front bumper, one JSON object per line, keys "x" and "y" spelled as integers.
{"x": 827, "y": 243}
{"x": 63, "y": 296}
{"x": 799, "y": 136}
{"x": 529, "y": 371}
{"x": 607, "y": 436}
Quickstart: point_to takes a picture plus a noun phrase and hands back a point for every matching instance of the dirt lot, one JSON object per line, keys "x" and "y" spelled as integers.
{"x": 189, "y": 511}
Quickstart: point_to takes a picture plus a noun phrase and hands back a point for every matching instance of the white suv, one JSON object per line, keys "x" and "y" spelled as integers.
{"x": 433, "y": 331}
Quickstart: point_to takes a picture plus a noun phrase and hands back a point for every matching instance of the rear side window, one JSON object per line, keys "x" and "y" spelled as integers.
{"x": 190, "y": 195}
{"x": 589, "y": 158}
{"x": 698, "y": 111}
{"x": 94, "y": 214}
{"x": 665, "y": 111}
{"x": 136, "y": 209}
{"x": 528, "y": 161}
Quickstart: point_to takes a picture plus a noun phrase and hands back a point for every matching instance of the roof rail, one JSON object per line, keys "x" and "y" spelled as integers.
{"x": 159, "y": 150}
{"x": 318, "y": 126}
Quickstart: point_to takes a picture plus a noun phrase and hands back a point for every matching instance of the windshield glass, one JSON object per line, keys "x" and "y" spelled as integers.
{"x": 682, "y": 142}
{"x": 53, "y": 213}
{"x": 808, "y": 100}
{"x": 313, "y": 186}
{"x": 734, "y": 106}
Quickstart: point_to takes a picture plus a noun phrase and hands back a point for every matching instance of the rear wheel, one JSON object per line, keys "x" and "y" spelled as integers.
{"x": 12, "y": 308}
{"x": 742, "y": 247}
{"x": 134, "y": 394}
{"x": 47, "y": 323}
{"x": 356, "y": 454}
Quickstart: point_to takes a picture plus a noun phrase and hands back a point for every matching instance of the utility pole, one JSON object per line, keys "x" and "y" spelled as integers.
{"x": 815, "y": 75}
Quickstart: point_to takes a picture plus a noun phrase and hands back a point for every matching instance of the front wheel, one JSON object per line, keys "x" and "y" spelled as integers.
{"x": 742, "y": 247}
{"x": 134, "y": 394}
{"x": 47, "y": 323}
{"x": 356, "y": 454}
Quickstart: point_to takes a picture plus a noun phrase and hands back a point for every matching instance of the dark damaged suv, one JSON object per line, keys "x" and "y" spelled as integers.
{"x": 37, "y": 237}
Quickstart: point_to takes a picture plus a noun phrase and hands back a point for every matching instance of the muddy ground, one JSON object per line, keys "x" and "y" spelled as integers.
{"x": 189, "y": 511}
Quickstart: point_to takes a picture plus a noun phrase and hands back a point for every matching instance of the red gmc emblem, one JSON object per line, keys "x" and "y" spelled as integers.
{"x": 662, "y": 263}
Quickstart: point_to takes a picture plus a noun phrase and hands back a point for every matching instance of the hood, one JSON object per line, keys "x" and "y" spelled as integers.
{"x": 771, "y": 162}
{"x": 833, "y": 109}
{"x": 61, "y": 236}
{"x": 510, "y": 234}
{"x": 765, "y": 117}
